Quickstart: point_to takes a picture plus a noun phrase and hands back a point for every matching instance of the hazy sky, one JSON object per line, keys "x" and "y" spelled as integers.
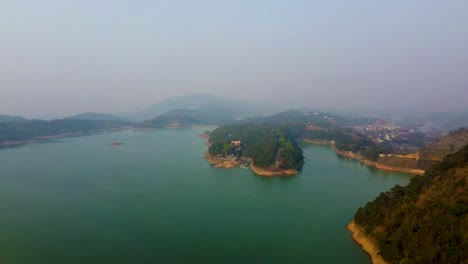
{"x": 63, "y": 57}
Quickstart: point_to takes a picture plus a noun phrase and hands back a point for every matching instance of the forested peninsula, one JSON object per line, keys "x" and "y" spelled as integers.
{"x": 270, "y": 149}
{"x": 271, "y": 143}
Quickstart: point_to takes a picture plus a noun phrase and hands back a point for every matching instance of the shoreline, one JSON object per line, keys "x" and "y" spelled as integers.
{"x": 271, "y": 173}
{"x": 221, "y": 162}
{"x": 373, "y": 164}
{"x": 14, "y": 143}
{"x": 206, "y": 138}
{"x": 366, "y": 243}
{"x": 231, "y": 162}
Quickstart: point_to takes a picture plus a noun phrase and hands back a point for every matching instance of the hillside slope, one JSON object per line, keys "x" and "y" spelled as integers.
{"x": 448, "y": 144}
{"x": 426, "y": 221}
{"x": 429, "y": 154}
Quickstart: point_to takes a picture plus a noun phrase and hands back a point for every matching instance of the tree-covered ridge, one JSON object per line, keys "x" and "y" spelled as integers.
{"x": 426, "y": 221}
{"x": 191, "y": 117}
{"x": 269, "y": 145}
{"x": 18, "y": 131}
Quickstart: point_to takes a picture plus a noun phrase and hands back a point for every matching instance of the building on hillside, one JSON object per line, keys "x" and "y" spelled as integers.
{"x": 236, "y": 143}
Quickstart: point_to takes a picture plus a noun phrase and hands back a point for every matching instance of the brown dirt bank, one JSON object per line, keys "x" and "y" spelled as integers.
{"x": 319, "y": 141}
{"x": 384, "y": 167}
{"x": 374, "y": 164}
{"x": 367, "y": 243}
{"x": 377, "y": 164}
{"x": 272, "y": 173}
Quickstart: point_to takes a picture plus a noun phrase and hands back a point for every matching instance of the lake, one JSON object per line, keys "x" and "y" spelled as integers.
{"x": 155, "y": 199}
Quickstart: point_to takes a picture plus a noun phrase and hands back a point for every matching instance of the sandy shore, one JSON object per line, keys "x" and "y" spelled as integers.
{"x": 391, "y": 168}
{"x": 271, "y": 173}
{"x": 366, "y": 243}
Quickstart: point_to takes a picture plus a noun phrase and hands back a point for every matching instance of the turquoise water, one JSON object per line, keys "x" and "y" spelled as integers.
{"x": 156, "y": 200}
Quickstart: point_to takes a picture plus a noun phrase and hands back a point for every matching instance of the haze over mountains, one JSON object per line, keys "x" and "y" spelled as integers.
{"x": 9, "y": 118}
{"x": 198, "y": 102}
{"x": 98, "y": 116}
{"x": 206, "y": 103}
{"x": 212, "y": 109}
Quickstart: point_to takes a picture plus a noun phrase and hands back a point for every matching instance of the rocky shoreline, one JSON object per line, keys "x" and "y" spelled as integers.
{"x": 231, "y": 162}
{"x": 224, "y": 162}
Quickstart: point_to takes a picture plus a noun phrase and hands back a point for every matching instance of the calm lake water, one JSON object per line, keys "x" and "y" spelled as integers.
{"x": 156, "y": 200}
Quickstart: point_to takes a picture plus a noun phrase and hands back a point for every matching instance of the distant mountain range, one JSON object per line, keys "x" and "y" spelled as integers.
{"x": 197, "y": 108}
{"x": 206, "y": 103}
{"x": 98, "y": 116}
{"x": 203, "y": 108}
{"x": 8, "y": 118}
{"x": 178, "y": 117}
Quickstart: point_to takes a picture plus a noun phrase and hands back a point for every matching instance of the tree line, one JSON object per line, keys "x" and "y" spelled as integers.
{"x": 17, "y": 131}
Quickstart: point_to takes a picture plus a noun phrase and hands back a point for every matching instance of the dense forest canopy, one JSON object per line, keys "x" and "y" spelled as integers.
{"x": 426, "y": 221}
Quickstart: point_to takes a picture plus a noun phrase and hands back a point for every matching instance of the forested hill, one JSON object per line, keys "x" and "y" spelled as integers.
{"x": 426, "y": 221}
{"x": 270, "y": 146}
{"x": 184, "y": 117}
{"x": 19, "y": 131}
